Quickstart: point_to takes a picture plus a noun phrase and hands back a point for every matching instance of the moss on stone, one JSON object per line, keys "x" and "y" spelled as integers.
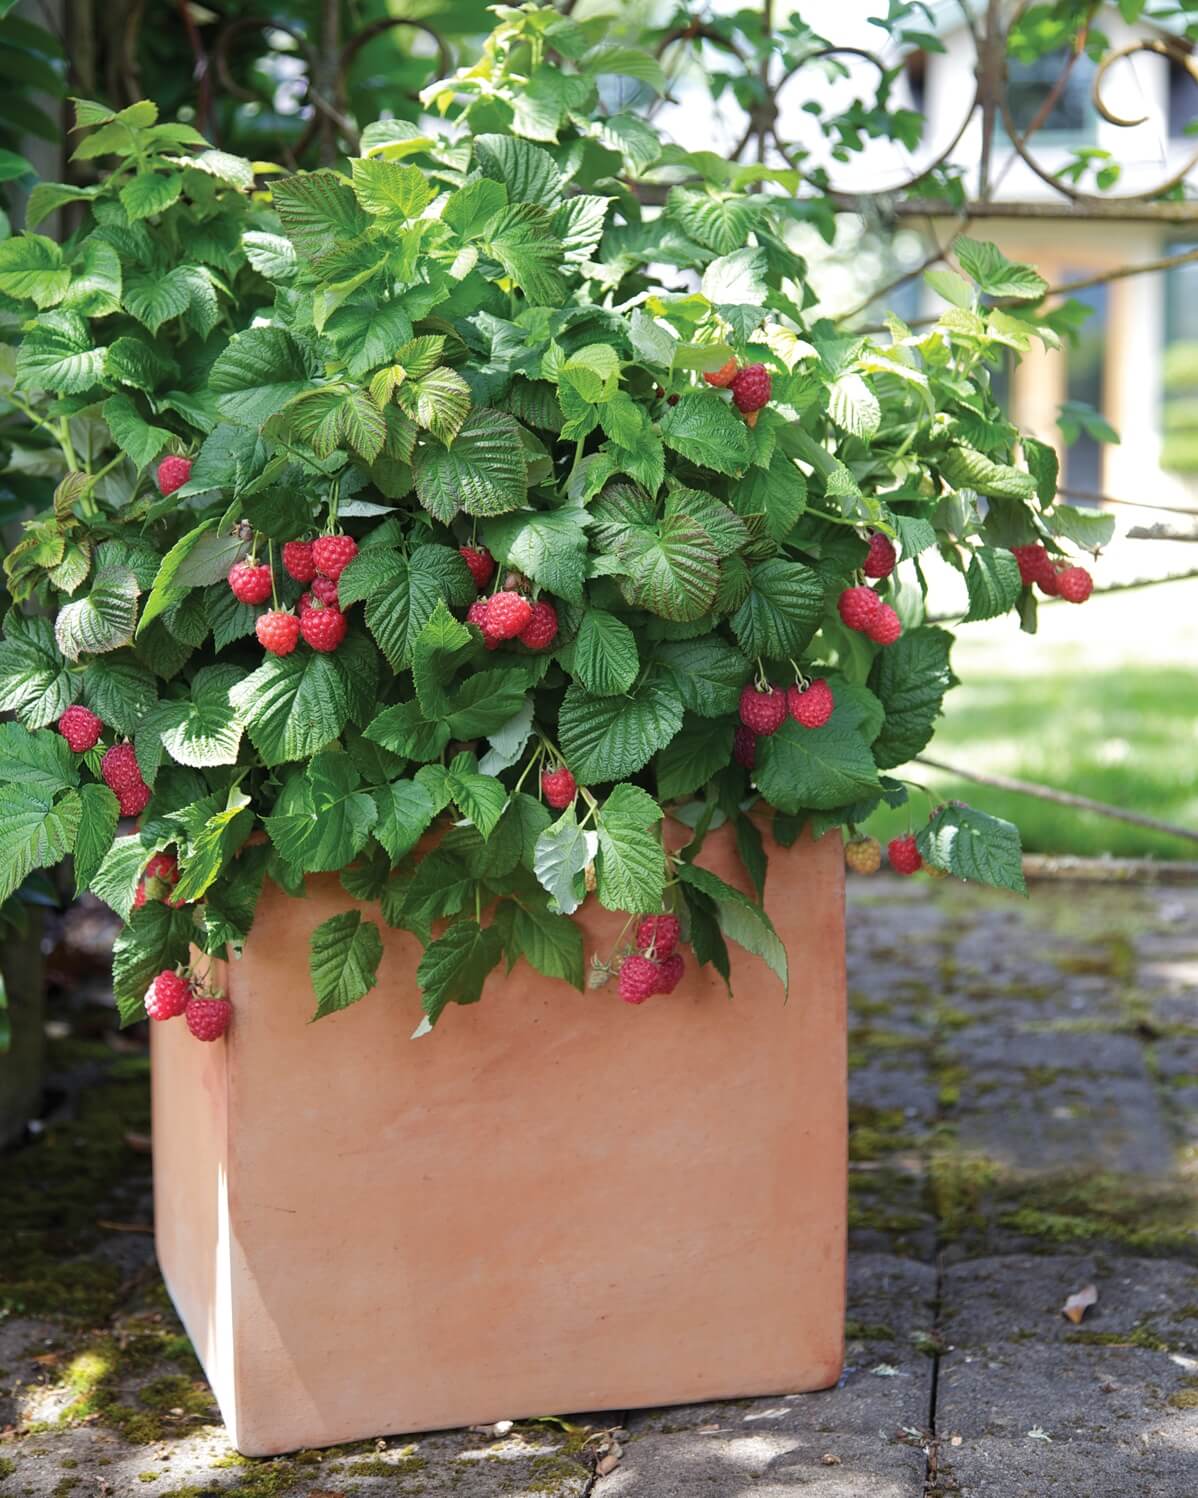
{"x": 1139, "y": 1336}
{"x": 7, "y": 1467}
{"x": 1184, "y": 1399}
{"x": 868, "y": 1331}
{"x": 554, "y": 1474}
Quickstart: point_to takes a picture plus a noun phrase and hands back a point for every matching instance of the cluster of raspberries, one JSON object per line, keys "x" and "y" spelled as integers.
{"x": 863, "y": 855}
{"x": 763, "y": 712}
{"x": 506, "y": 615}
{"x": 861, "y": 609}
{"x": 750, "y": 386}
{"x": 318, "y": 620}
{"x": 171, "y": 994}
{"x": 1053, "y": 578}
{"x": 656, "y": 966}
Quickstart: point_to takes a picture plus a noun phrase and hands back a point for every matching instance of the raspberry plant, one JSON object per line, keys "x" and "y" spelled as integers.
{"x": 464, "y": 389}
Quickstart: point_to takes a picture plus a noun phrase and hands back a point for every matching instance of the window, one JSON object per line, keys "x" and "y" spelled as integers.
{"x": 1183, "y": 100}
{"x": 1084, "y": 382}
{"x": 1179, "y": 415}
{"x": 1029, "y": 84}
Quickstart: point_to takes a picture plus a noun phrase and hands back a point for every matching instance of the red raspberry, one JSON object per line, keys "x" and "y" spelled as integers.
{"x": 658, "y": 934}
{"x": 176, "y": 902}
{"x": 904, "y": 855}
{"x": 173, "y": 473}
{"x": 208, "y": 1019}
{"x": 507, "y": 615}
{"x": 638, "y": 979}
{"x": 751, "y": 388}
{"x": 323, "y": 628}
{"x": 250, "y": 583}
{"x": 1074, "y": 584}
{"x": 167, "y": 996}
{"x": 139, "y": 894}
{"x": 299, "y": 561}
{"x": 886, "y": 627}
{"x": 541, "y": 630}
{"x": 476, "y": 614}
{"x": 481, "y": 564}
{"x": 81, "y": 728}
{"x": 306, "y": 602}
{"x": 333, "y": 554}
{"x": 721, "y": 378}
{"x": 882, "y": 556}
{"x": 277, "y": 631}
{"x": 672, "y": 400}
{"x": 122, "y": 775}
{"x": 763, "y": 712}
{"x": 858, "y": 607}
{"x": 1048, "y": 584}
{"x": 1034, "y": 563}
{"x": 744, "y": 747}
{"x": 670, "y": 974}
{"x": 559, "y": 787}
{"x": 163, "y": 866}
{"x": 325, "y": 588}
{"x": 812, "y": 705}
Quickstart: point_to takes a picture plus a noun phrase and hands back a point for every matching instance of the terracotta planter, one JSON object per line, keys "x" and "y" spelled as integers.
{"x": 552, "y": 1203}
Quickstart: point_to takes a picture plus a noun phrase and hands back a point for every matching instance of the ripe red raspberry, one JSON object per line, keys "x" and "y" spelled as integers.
{"x": 810, "y": 706}
{"x": 882, "y": 556}
{"x": 139, "y": 894}
{"x": 721, "y": 378}
{"x": 81, "y": 728}
{"x": 751, "y": 388}
{"x": 886, "y": 626}
{"x": 763, "y": 712}
{"x": 250, "y": 583}
{"x": 1034, "y": 563}
{"x": 299, "y": 561}
{"x": 670, "y": 973}
{"x": 122, "y": 775}
{"x": 323, "y": 628}
{"x": 176, "y": 902}
{"x": 559, "y": 787}
{"x": 325, "y": 588}
{"x": 1074, "y": 584}
{"x": 333, "y": 554}
{"x": 208, "y": 1019}
{"x": 173, "y": 473}
{"x": 744, "y": 747}
{"x": 863, "y": 855}
{"x": 1048, "y": 584}
{"x": 904, "y": 855}
{"x": 658, "y": 934}
{"x": 638, "y": 979}
{"x": 541, "y": 630}
{"x": 481, "y": 564}
{"x": 163, "y": 866}
{"x": 507, "y": 614}
{"x": 167, "y": 996}
{"x": 476, "y": 614}
{"x": 277, "y": 631}
{"x": 858, "y": 607}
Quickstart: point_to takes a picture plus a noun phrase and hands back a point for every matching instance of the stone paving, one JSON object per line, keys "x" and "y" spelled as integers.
{"x": 1025, "y": 1123}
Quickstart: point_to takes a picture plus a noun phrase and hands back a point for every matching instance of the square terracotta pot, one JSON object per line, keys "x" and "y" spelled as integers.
{"x": 554, "y": 1202}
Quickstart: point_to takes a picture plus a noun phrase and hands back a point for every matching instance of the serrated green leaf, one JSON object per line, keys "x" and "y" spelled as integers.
{"x": 801, "y": 769}
{"x": 31, "y": 269}
{"x": 630, "y": 865}
{"x": 605, "y": 658}
{"x": 156, "y": 937}
{"x": 709, "y": 673}
{"x": 483, "y": 472}
{"x": 910, "y": 679}
{"x": 456, "y": 965}
{"x": 42, "y": 763}
{"x": 853, "y": 406}
{"x": 34, "y": 834}
{"x": 699, "y": 752}
{"x": 993, "y": 582}
{"x": 705, "y": 429}
{"x": 550, "y": 943}
{"x": 1088, "y": 528}
{"x": 740, "y": 919}
{"x": 974, "y": 845}
{"x": 781, "y": 611}
{"x": 318, "y": 209}
{"x": 560, "y": 855}
{"x": 390, "y": 189}
{"x": 989, "y": 268}
{"x": 611, "y": 738}
{"x": 258, "y": 372}
{"x": 98, "y": 816}
{"x": 102, "y": 621}
{"x": 34, "y": 680}
{"x": 672, "y": 571}
{"x": 203, "y": 731}
{"x": 132, "y": 433}
{"x": 964, "y": 468}
{"x": 405, "y": 810}
{"x": 149, "y": 193}
{"x": 529, "y": 174}
{"x": 548, "y": 546}
{"x": 119, "y": 690}
{"x": 344, "y": 953}
{"x": 292, "y": 706}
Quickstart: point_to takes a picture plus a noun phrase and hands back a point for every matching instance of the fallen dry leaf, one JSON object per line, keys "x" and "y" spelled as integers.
{"x": 1079, "y": 1303}
{"x": 830, "y": 1459}
{"x": 607, "y": 1463}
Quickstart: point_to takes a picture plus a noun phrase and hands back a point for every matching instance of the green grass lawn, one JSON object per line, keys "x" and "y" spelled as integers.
{"x": 1103, "y": 702}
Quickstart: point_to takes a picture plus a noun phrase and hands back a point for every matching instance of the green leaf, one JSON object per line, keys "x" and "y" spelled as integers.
{"x": 853, "y": 406}
{"x": 993, "y": 582}
{"x": 605, "y": 658}
{"x": 480, "y": 799}
{"x": 721, "y": 223}
{"x": 550, "y": 943}
{"x": 964, "y": 468}
{"x": 42, "y": 763}
{"x": 910, "y": 679}
{"x": 156, "y": 299}
{"x": 782, "y": 610}
{"x": 405, "y": 731}
{"x": 405, "y": 810}
{"x": 440, "y": 648}
{"x": 95, "y": 279}
{"x": 132, "y": 433}
{"x": 471, "y": 208}
{"x": 58, "y": 355}
{"x": 631, "y": 864}
{"x": 204, "y": 732}
{"x": 211, "y": 844}
{"x": 292, "y": 706}
{"x": 98, "y": 816}
{"x": 116, "y": 879}
{"x": 388, "y": 188}
{"x": 521, "y": 238}
{"x": 343, "y": 957}
{"x": 483, "y": 472}
{"x": 989, "y": 268}
{"x": 560, "y": 856}
{"x": 31, "y": 269}
{"x": 149, "y": 193}
{"x": 33, "y": 833}
{"x": 318, "y": 210}
{"x": 166, "y": 592}
{"x": 102, "y": 621}
{"x": 974, "y": 845}
{"x": 611, "y": 738}
{"x": 34, "y": 680}
{"x": 800, "y": 769}
{"x": 1087, "y": 528}
{"x": 700, "y": 751}
{"x": 548, "y": 546}
{"x": 529, "y": 173}
{"x": 707, "y": 431}
{"x": 322, "y": 819}
{"x": 271, "y": 255}
{"x": 455, "y": 967}
{"x": 486, "y": 701}
{"x": 258, "y": 372}
{"x": 440, "y": 402}
{"x": 741, "y": 920}
{"x": 156, "y": 937}
{"x": 120, "y": 691}
{"x": 709, "y": 673}
{"x": 401, "y": 594}
{"x": 672, "y": 571}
